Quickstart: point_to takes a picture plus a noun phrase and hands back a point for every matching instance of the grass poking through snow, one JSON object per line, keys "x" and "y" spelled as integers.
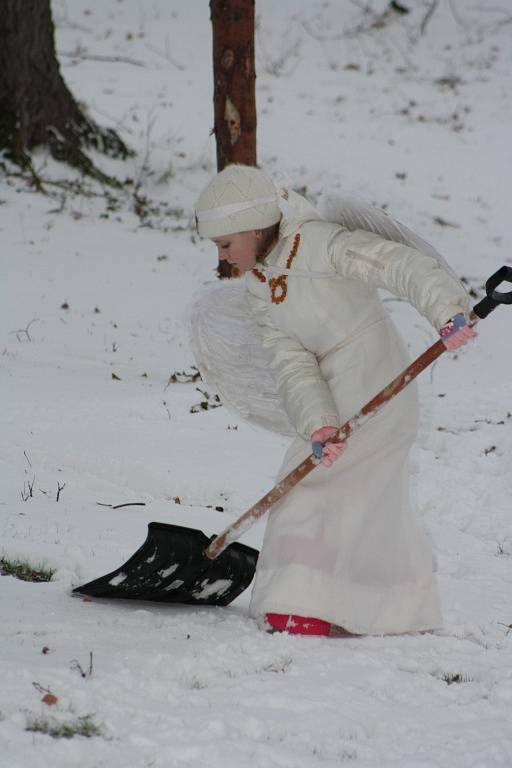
{"x": 82, "y": 726}
{"x": 22, "y": 569}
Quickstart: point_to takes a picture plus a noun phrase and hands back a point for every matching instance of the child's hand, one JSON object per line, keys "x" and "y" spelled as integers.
{"x": 456, "y": 332}
{"x": 327, "y": 453}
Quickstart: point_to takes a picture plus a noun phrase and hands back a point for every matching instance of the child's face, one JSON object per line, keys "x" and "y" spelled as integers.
{"x": 239, "y": 249}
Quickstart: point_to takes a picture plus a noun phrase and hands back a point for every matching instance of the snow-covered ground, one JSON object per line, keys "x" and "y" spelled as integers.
{"x": 414, "y": 120}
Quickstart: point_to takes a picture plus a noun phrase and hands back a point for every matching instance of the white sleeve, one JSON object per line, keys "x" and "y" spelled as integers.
{"x": 305, "y": 394}
{"x": 400, "y": 269}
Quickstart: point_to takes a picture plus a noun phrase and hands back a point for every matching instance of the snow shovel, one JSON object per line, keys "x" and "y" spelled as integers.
{"x": 182, "y": 565}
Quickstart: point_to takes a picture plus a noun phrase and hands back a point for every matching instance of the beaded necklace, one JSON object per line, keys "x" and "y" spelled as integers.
{"x": 278, "y": 285}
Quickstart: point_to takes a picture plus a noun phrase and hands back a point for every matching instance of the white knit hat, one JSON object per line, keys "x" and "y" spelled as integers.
{"x": 237, "y": 199}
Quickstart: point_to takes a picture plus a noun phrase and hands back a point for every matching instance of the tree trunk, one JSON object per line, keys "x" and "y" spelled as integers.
{"x": 36, "y": 106}
{"x": 234, "y": 93}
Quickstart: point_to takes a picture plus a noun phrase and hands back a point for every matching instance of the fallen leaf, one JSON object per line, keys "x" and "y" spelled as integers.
{"x": 50, "y": 699}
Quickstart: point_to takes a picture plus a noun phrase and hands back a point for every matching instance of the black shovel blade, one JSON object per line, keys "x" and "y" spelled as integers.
{"x": 171, "y": 567}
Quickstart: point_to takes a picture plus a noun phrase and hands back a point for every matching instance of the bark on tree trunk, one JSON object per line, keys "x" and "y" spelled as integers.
{"x": 234, "y": 93}
{"x": 36, "y": 106}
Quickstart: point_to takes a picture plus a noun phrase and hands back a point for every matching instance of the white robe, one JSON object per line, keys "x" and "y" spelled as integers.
{"x": 345, "y": 544}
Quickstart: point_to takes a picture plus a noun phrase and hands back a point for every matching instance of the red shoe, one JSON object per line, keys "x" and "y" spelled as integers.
{"x": 297, "y": 625}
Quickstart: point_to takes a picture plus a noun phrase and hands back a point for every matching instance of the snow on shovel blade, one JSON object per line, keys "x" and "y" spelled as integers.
{"x": 171, "y": 567}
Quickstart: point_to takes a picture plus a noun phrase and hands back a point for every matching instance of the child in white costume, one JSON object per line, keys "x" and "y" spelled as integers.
{"x": 343, "y": 551}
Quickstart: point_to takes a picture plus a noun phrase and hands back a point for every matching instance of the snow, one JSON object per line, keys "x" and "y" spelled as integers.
{"x": 118, "y": 579}
{"x": 217, "y": 587}
{"x": 167, "y": 571}
{"x": 415, "y": 122}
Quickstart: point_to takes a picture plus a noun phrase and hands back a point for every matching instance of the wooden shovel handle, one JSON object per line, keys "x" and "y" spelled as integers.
{"x": 236, "y": 529}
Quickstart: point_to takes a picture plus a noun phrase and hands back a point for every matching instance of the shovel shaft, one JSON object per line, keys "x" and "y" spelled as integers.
{"x": 236, "y": 529}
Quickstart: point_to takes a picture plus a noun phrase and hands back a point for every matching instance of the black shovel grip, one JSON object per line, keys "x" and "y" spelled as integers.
{"x": 494, "y": 297}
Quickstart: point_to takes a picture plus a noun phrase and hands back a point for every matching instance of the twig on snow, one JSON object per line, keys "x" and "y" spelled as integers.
{"x": 28, "y": 490}
{"x": 25, "y": 330}
{"x": 75, "y": 665}
{"x": 182, "y": 377}
{"x": 119, "y": 506}
{"x": 167, "y": 55}
{"x": 428, "y": 16}
{"x": 207, "y": 403}
{"x": 80, "y": 54}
